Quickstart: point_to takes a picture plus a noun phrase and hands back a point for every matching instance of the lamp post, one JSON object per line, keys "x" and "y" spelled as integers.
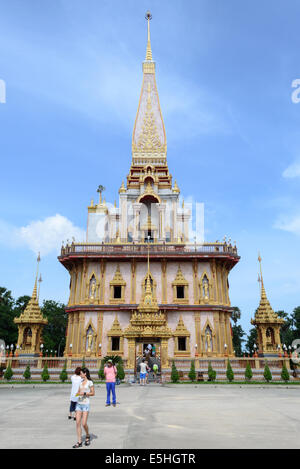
{"x": 279, "y": 350}
{"x": 196, "y": 350}
{"x": 70, "y": 347}
{"x": 99, "y": 350}
{"x": 255, "y": 353}
{"x": 7, "y": 350}
{"x": 41, "y": 348}
{"x": 11, "y": 350}
{"x": 290, "y": 351}
{"x": 225, "y": 348}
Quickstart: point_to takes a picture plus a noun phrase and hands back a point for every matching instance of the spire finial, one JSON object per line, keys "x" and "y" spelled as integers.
{"x": 148, "y": 17}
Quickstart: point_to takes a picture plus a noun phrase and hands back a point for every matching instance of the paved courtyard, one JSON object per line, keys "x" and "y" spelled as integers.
{"x": 154, "y": 416}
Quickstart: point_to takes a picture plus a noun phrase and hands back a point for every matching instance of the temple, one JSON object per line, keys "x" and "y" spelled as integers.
{"x": 139, "y": 278}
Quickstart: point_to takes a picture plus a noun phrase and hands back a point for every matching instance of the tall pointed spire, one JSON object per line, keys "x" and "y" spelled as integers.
{"x": 149, "y": 143}
{"x": 148, "y": 17}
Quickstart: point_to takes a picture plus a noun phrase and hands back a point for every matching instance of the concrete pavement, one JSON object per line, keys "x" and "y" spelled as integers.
{"x": 154, "y": 416}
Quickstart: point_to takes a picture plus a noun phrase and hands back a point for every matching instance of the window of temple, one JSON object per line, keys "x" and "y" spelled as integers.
{"x": 117, "y": 291}
{"x": 181, "y": 344}
{"x": 180, "y": 291}
{"x": 115, "y": 343}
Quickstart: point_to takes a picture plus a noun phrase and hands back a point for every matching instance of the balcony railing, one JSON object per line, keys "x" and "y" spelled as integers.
{"x": 142, "y": 248}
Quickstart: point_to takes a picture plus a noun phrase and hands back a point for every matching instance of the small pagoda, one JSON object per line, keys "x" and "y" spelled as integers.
{"x": 30, "y": 324}
{"x": 267, "y": 323}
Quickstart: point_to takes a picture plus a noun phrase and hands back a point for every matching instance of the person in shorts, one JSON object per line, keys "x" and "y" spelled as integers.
{"x": 85, "y": 391}
{"x": 143, "y": 372}
{"x": 75, "y": 380}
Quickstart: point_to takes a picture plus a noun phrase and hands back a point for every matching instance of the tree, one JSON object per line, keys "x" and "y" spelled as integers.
{"x": 8, "y": 373}
{"x": 8, "y": 329}
{"x": 211, "y": 373}
{"x": 45, "y": 374}
{"x": 251, "y": 339}
{"x": 63, "y": 374}
{"x": 229, "y": 372}
{"x": 120, "y": 371}
{"x": 237, "y": 331}
{"x": 174, "y": 373}
{"x": 27, "y": 373}
{"x": 54, "y": 333}
{"x": 192, "y": 372}
{"x": 267, "y": 373}
{"x": 296, "y": 322}
{"x": 285, "y": 376}
{"x": 248, "y": 372}
{"x": 101, "y": 371}
{"x": 286, "y": 330}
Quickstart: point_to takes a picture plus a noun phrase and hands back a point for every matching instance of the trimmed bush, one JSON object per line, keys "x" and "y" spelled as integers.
{"x": 45, "y": 374}
{"x": 174, "y": 373}
{"x": 120, "y": 371}
{"x": 8, "y": 374}
{"x": 229, "y": 372}
{"x": 212, "y": 374}
{"x": 267, "y": 373}
{"x": 192, "y": 372}
{"x": 101, "y": 371}
{"x": 27, "y": 373}
{"x": 248, "y": 372}
{"x": 285, "y": 376}
{"x": 63, "y": 374}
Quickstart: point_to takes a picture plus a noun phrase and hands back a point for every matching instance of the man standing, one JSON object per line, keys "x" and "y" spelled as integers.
{"x": 75, "y": 380}
{"x": 143, "y": 371}
{"x": 110, "y": 373}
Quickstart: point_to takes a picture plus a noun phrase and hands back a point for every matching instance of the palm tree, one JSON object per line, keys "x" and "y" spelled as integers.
{"x": 100, "y": 190}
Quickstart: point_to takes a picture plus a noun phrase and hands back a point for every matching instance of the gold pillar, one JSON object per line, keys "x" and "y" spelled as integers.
{"x": 195, "y": 275}
{"x": 198, "y": 333}
{"x": 164, "y": 354}
{"x": 131, "y": 353}
{"x": 164, "y": 281}
{"x": 103, "y": 269}
{"x": 133, "y": 282}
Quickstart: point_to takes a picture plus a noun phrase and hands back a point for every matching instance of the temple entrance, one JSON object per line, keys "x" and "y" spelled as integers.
{"x": 149, "y": 350}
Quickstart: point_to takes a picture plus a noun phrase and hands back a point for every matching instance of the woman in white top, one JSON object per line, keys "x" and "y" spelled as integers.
{"x": 86, "y": 389}
{"x": 76, "y": 380}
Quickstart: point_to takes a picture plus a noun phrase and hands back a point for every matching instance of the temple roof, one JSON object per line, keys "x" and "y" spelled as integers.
{"x": 265, "y": 313}
{"x": 149, "y": 141}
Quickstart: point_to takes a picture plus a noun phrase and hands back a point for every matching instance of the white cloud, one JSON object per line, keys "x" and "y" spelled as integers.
{"x": 42, "y": 236}
{"x": 292, "y": 171}
{"x": 289, "y": 224}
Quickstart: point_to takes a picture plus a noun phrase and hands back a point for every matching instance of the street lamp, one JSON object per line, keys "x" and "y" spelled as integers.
{"x": 225, "y": 347}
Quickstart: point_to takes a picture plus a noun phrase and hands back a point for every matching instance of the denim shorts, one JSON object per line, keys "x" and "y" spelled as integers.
{"x": 142, "y": 375}
{"x": 82, "y": 407}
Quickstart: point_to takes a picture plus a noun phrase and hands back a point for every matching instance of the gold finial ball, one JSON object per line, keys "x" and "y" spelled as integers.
{"x": 148, "y": 15}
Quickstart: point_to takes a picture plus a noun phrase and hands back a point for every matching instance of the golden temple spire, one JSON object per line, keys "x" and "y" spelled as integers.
{"x": 34, "y": 293}
{"x": 264, "y": 312}
{"x": 148, "y": 17}
{"x": 149, "y": 136}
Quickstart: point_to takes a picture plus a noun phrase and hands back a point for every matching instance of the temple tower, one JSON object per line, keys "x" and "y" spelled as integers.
{"x": 139, "y": 279}
{"x": 267, "y": 323}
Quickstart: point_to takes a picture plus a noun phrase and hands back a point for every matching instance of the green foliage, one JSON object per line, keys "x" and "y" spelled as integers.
{"x": 192, "y": 372}
{"x": 286, "y": 330}
{"x": 8, "y": 373}
{"x": 229, "y": 372}
{"x": 174, "y": 373}
{"x": 101, "y": 371}
{"x": 212, "y": 374}
{"x": 115, "y": 359}
{"x": 63, "y": 374}
{"x": 251, "y": 339}
{"x": 267, "y": 373}
{"x": 8, "y": 311}
{"x": 285, "y": 376}
{"x": 27, "y": 373}
{"x": 248, "y": 372}
{"x": 45, "y": 374}
{"x": 54, "y": 333}
{"x": 236, "y": 314}
{"x": 120, "y": 371}
{"x": 237, "y": 332}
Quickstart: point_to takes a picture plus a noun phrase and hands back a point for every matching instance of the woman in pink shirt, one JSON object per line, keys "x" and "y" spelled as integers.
{"x": 110, "y": 373}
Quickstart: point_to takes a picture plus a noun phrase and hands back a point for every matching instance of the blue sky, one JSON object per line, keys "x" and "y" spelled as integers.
{"x": 224, "y": 72}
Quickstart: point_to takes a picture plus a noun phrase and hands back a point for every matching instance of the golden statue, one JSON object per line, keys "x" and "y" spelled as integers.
{"x": 208, "y": 341}
{"x": 90, "y": 340}
{"x": 93, "y": 289}
{"x": 206, "y": 292}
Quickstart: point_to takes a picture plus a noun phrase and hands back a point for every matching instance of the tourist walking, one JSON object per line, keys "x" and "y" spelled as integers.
{"x": 155, "y": 370}
{"x": 75, "y": 380}
{"x": 110, "y": 373}
{"x": 143, "y": 371}
{"x": 85, "y": 391}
